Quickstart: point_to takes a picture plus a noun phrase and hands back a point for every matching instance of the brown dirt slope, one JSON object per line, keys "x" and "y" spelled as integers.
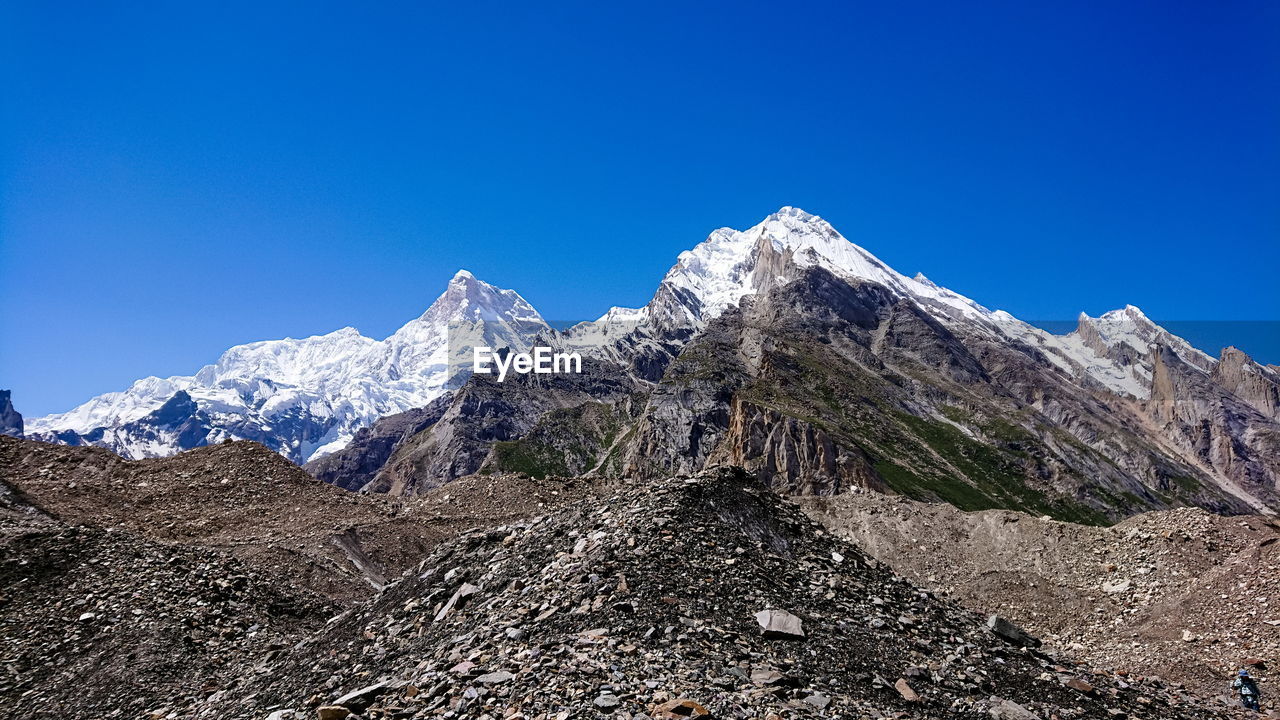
{"x": 1182, "y": 594}
{"x": 242, "y": 498}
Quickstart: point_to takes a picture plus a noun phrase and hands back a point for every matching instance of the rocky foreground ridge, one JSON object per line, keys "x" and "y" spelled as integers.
{"x": 706, "y": 596}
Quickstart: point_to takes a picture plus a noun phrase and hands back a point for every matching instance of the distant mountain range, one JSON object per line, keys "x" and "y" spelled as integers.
{"x": 783, "y": 348}
{"x": 302, "y": 398}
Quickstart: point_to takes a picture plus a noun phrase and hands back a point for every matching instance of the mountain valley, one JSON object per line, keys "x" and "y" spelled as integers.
{"x": 796, "y": 483}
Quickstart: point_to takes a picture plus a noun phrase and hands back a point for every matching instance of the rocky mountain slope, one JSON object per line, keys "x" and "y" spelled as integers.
{"x": 100, "y": 623}
{"x": 1182, "y": 594}
{"x": 486, "y": 413}
{"x": 699, "y": 597}
{"x": 821, "y": 384}
{"x": 307, "y": 397}
{"x": 10, "y": 419}
{"x": 355, "y": 465}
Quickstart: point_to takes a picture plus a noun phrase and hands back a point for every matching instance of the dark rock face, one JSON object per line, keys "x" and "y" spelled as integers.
{"x": 569, "y": 442}
{"x": 354, "y": 466}
{"x": 10, "y": 419}
{"x": 485, "y": 411}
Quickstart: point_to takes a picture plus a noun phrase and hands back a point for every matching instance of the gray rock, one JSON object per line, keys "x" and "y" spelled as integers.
{"x": 1010, "y": 710}
{"x": 359, "y": 700}
{"x": 818, "y": 700}
{"x": 1012, "y": 633}
{"x": 496, "y": 678}
{"x": 10, "y": 419}
{"x": 780, "y": 624}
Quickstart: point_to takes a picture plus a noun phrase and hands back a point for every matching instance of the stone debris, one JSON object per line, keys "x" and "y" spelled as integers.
{"x": 97, "y": 623}
{"x": 358, "y": 700}
{"x": 1009, "y": 710}
{"x": 514, "y": 619}
{"x": 690, "y": 641}
{"x": 1182, "y": 595}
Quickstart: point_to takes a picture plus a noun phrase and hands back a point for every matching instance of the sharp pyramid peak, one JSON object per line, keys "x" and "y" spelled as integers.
{"x": 789, "y": 211}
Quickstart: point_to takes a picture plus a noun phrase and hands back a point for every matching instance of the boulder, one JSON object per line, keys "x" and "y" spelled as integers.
{"x": 1078, "y": 684}
{"x": 496, "y": 678}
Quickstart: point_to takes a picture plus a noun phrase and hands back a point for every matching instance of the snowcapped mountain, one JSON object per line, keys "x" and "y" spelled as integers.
{"x": 1113, "y": 352}
{"x": 303, "y": 397}
{"x": 1133, "y": 399}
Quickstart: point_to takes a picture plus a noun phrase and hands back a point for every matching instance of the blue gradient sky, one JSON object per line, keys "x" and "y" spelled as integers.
{"x": 176, "y": 178}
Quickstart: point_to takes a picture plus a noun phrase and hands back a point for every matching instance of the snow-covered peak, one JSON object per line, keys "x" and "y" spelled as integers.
{"x": 468, "y": 299}
{"x": 622, "y": 314}
{"x": 719, "y": 271}
{"x": 1112, "y": 351}
{"x": 1128, "y": 331}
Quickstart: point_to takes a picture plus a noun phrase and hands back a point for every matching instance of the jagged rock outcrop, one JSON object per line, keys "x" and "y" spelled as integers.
{"x": 10, "y": 419}
{"x": 1255, "y": 384}
{"x": 485, "y": 411}
{"x": 1225, "y": 433}
{"x": 791, "y": 455}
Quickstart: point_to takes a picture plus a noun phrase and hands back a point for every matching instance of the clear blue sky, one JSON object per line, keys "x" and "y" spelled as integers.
{"x": 176, "y": 178}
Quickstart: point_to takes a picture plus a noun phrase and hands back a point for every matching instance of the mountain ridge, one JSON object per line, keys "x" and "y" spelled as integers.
{"x": 1095, "y": 383}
